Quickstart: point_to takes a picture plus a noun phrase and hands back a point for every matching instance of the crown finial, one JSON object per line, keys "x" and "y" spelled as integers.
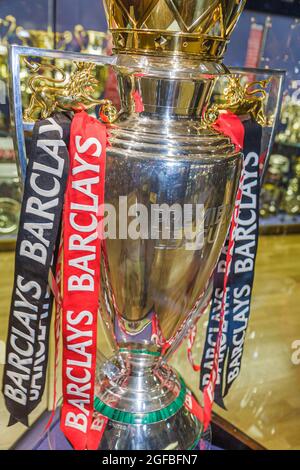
{"x": 173, "y": 27}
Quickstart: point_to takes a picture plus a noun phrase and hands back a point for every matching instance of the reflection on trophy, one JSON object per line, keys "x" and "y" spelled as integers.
{"x": 161, "y": 153}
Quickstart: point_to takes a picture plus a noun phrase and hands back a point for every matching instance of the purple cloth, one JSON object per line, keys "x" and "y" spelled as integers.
{"x": 53, "y": 439}
{"x": 39, "y": 439}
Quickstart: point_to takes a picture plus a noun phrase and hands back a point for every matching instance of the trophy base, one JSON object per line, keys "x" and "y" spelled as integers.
{"x": 144, "y": 404}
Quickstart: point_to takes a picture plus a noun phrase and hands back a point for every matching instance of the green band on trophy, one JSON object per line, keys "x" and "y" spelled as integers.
{"x": 140, "y": 351}
{"x": 127, "y": 417}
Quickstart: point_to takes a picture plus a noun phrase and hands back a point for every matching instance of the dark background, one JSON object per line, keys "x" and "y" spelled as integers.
{"x": 60, "y": 14}
{"x": 89, "y": 13}
{"x": 280, "y": 7}
{"x": 281, "y": 46}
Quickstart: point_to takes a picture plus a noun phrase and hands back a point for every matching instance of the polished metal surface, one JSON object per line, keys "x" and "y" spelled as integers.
{"x": 153, "y": 290}
{"x": 145, "y": 407}
{"x": 161, "y": 276}
{"x": 143, "y": 375}
{"x": 158, "y": 155}
{"x": 173, "y": 27}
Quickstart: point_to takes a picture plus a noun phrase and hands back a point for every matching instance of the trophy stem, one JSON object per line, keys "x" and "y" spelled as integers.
{"x": 145, "y": 406}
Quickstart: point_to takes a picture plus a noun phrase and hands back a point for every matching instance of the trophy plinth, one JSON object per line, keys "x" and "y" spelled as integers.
{"x": 145, "y": 406}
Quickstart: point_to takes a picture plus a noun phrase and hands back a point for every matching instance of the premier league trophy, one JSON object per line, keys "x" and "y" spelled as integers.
{"x": 170, "y": 189}
{"x": 164, "y": 156}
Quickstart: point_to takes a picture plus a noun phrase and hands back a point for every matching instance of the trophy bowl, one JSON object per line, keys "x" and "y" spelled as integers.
{"x": 152, "y": 287}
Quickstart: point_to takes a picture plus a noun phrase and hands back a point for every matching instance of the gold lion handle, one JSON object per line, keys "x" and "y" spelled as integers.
{"x": 241, "y": 100}
{"x": 53, "y": 90}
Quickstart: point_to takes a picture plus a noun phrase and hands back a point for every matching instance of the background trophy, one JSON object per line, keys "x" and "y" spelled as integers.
{"x": 164, "y": 152}
{"x": 43, "y": 39}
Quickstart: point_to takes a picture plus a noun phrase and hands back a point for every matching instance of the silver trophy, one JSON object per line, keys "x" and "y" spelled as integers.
{"x": 163, "y": 154}
{"x": 165, "y": 157}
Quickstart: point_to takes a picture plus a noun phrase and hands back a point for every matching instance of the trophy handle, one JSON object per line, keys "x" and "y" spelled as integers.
{"x": 249, "y": 99}
{"x": 58, "y": 99}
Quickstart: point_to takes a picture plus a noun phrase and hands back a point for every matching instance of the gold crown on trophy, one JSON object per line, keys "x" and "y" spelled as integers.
{"x": 189, "y": 27}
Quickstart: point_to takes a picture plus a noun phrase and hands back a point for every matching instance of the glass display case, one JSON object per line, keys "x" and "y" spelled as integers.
{"x": 50, "y": 28}
{"x": 272, "y": 35}
{"x": 263, "y": 407}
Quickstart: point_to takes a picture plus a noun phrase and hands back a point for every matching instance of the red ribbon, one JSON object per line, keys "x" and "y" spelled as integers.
{"x": 193, "y": 406}
{"x": 96, "y": 431}
{"x": 81, "y": 276}
{"x": 230, "y": 125}
{"x": 81, "y": 280}
{"x": 208, "y": 394}
{"x": 138, "y": 102}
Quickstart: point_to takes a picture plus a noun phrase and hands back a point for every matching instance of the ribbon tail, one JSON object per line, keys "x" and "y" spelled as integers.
{"x": 13, "y": 420}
